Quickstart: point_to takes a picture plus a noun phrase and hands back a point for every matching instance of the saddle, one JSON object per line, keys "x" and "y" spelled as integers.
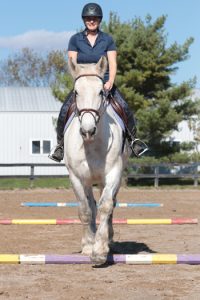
{"x": 70, "y": 111}
{"x": 118, "y": 109}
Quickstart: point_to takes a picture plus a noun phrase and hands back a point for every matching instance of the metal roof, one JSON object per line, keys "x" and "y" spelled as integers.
{"x": 32, "y": 99}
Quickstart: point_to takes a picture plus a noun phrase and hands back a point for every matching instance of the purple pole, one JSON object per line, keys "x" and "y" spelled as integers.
{"x": 80, "y": 259}
{"x": 67, "y": 259}
{"x": 191, "y": 259}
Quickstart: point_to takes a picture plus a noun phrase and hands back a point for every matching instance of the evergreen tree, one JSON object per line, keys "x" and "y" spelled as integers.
{"x": 145, "y": 65}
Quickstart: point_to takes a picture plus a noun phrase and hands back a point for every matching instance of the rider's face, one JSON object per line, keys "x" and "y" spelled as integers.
{"x": 92, "y": 23}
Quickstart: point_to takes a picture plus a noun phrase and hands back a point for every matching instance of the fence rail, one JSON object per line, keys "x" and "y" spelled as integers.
{"x": 136, "y": 171}
{"x": 164, "y": 170}
{"x": 32, "y": 167}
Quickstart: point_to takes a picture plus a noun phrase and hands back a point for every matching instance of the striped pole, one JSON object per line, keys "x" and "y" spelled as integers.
{"x": 132, "y": 259}
{"x": 174, "y": 221}
{"x": 75, "y": 204}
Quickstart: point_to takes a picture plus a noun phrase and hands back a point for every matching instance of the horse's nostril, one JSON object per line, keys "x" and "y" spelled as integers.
{"x": 88, "y": 133}
{"x": 82, "y": 132}
{"x": 93, "y": 131}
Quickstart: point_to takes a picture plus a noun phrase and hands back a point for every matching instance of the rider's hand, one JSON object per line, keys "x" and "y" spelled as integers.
{"x": 108, "y": 86}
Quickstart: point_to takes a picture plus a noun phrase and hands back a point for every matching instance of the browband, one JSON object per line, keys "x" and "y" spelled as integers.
{"x": 83, "y": 75}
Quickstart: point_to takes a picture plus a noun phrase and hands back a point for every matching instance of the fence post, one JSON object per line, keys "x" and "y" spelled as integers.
{"x": 156, "y": 179}
{"x": 196, "y": 176}
{"x": 32, "y": 175}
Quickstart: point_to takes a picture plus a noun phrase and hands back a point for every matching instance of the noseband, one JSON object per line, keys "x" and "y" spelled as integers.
{"x": 83, "y": 111}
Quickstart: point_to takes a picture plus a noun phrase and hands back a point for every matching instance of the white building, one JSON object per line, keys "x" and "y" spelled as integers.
{"x": 185, "y": 132}
{"x": 27, "y": 129}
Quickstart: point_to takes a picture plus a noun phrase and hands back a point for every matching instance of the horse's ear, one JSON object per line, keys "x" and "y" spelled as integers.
{"x": 72, "y": 67}
{"x": 102, "y": 65}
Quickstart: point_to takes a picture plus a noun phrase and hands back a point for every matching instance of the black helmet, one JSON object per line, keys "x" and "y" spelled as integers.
{"x": 92, "y": 10}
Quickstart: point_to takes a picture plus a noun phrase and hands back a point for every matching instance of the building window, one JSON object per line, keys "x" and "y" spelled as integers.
{"x": 40, "y": 146}
{"x": 46, "y": 147}
{"x": 35, "y": 147}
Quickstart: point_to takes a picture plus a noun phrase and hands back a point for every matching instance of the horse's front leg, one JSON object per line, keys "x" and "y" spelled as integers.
{"x": 110, "y": 220}
{"x": 87, "y": 213}
{"x": 105, "y": 232}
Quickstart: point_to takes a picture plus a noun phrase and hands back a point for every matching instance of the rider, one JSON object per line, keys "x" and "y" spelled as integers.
{"x": 87, "y": 47}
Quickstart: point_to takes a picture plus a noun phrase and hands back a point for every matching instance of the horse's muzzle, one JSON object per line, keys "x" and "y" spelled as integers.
{"x": 89, "y": 134}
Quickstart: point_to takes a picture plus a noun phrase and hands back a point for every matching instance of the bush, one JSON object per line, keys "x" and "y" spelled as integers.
{"x": 178, "y": 157}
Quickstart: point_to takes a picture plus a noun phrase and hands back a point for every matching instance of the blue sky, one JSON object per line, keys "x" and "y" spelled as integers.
{"x": 48, "y": 24}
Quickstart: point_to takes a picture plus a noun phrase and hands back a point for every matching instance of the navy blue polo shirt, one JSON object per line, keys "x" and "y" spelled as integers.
{"x": 91, "y": 54}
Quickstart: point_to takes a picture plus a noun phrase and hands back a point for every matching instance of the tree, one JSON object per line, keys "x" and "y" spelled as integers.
{"x": 29, "y": 68}
{"x": 145, "y": 65}
{"x": 62, "y": 86}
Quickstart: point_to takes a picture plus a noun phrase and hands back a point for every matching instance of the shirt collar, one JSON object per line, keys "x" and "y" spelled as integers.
{"x": 84, "y": 34}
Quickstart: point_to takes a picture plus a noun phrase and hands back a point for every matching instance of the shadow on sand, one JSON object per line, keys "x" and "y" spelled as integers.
{"x": 129, "y": 247}
{"x": 124, "y": 248}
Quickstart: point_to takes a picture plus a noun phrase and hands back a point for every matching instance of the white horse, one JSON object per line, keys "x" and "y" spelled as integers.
{"x": 93, "y": 145}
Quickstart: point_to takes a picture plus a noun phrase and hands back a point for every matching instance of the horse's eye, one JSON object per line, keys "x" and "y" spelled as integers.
{"x": 76, "y": 93}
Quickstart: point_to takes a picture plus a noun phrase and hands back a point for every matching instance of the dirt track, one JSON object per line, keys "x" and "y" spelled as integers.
{"x": 83, "y": 282}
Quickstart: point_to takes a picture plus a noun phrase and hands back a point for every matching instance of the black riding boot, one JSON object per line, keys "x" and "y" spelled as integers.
{"x": 58, "y": 153}
{"x": 137, "y": 146}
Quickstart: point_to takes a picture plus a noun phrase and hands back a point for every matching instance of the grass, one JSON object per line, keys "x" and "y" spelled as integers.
{"x": 26, "y": 183}
{"x": 59, "y": 183}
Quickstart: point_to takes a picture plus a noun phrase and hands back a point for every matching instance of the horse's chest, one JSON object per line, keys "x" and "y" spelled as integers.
{"x": 86, "y": 159}
{"x": 93, "y": 159}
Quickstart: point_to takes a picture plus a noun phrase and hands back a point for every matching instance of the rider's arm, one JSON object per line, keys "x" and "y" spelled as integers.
{"x": 112, "y": 62}
{"x": 72, "y": 55}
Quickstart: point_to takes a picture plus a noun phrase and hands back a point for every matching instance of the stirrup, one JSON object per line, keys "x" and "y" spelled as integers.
{"x": 52, "y": 155}
{"x": 138, "y": 147}
{"x": 54, "y": 158}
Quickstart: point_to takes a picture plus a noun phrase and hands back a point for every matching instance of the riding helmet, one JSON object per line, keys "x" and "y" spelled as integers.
{"x": 92, "y": 10}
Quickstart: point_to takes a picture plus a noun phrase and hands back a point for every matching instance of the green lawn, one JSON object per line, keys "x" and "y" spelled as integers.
{"x": 56, "y": 183}
{"x": 26, "y": 183}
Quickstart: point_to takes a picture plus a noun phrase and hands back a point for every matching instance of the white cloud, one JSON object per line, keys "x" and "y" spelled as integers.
{"x": 39, "y": 40}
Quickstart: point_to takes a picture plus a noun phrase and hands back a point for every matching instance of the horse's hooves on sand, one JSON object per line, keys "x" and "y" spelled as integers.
{"x": 98, "y": 260}
{"x": 87, "y": 250}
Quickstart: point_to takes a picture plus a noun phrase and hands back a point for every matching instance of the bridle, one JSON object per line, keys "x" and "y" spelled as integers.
{"x": 95, "y": 113}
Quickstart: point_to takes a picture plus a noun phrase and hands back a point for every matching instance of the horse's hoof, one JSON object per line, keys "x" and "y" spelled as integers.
{"x": 87, "y": 250}
{"x": 98, "y": 259}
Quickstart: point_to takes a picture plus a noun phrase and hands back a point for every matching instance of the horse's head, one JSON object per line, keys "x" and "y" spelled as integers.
{"x": 89, "y": 94}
